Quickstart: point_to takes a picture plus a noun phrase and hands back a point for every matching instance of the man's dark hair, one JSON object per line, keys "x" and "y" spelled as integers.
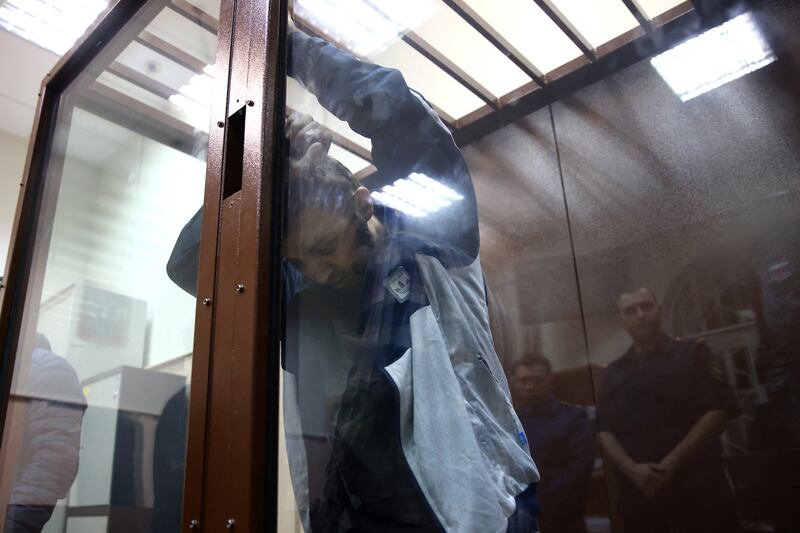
{"x": 329, "y": 187}
{"x": 531, "y": 360}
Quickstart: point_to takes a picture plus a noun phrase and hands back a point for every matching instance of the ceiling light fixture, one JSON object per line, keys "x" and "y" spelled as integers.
{"x": 418, "y": 195}
{"x": 52, "y": 24}
{"x": 714, "y": 58}
{"x": 194, "y": 98}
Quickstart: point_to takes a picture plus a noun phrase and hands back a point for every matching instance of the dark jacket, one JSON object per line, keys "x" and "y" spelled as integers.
{"x": 562, "y": 443}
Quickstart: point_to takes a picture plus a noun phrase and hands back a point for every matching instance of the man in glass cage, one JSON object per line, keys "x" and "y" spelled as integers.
{"x": 398, "y": 414}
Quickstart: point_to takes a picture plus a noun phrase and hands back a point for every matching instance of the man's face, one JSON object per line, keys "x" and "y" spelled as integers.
{"x": 530, "y": 385}
{"x": 640, "y": 314}
{"x": 329, "y": 248}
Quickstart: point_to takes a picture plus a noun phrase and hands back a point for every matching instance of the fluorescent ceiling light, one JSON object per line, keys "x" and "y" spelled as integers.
{"x": 417, "y": 195}
{"x": 364, "y": 26}
{"x": 714, "y": 58}
{"x": 52, "y": 24}
{"x": 194, "y": 98}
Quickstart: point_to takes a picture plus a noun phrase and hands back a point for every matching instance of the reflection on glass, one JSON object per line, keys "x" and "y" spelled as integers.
{"x": 562, "y": 443}
{"x": 714, "y": 58}
{"x": 698, "y": 202}
{"x": 51, "y": 441}
{"x": 598, "y": 22}
{"x": 528, "y": 30}
{"x": 661, "y": 409}
{"x": 95, "y": 433}
{"x": 396, "y": 409}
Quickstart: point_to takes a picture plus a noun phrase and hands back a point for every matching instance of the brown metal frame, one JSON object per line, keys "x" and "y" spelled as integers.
{"x": 242, "y": 420}
{"x": 226, "y": 464}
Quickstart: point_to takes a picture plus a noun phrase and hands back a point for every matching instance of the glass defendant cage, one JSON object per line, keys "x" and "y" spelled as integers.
{"x": 438, "y": 265}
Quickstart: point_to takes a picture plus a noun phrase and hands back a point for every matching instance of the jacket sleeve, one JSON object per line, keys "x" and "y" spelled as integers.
{"x": 185, "y": 258}
{"x": 407, "y": 136}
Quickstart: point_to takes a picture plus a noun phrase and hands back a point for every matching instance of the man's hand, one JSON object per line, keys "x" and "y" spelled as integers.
{"x": 669, "y": 465}
{"x": 308, "y": 144}
{"x": 649, "y": 478}
{"x": 302, "y": 133}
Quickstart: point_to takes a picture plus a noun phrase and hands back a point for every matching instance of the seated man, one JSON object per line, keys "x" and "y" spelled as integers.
{"x": 424, "y": 437}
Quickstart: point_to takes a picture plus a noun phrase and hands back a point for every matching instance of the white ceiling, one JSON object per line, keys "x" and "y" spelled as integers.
{"x": 24, "y": 66}
{"x": 442, "y": 31}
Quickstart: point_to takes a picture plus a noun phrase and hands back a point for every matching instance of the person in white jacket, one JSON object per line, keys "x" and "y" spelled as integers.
{"x": 51, "y": 442}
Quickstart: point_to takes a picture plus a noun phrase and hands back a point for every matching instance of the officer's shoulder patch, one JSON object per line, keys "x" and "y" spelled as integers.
{"x": 398, "y": 284}
{"x": 780, "y": 271}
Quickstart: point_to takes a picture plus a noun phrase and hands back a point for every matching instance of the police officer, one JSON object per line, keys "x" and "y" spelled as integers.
{"x": 775, "y": 432}
{"x": 562, "y": 444}
{"x": 778, "y": 271}
{"x": 661, "y": 409}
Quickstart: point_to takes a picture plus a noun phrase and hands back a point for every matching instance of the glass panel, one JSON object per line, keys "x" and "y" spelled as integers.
{"x": 453, "y": 37}
{"x": 372, "y": 33}
{"x": 530, "y": 31}
{"x": 452, "y": 100}
{"x": 685, "y": 206}
{"x": 654, "y": 8}
{"x": 413, "y": 371}
{"x": 597, "y": 21}
{"x": 96, "y": 427}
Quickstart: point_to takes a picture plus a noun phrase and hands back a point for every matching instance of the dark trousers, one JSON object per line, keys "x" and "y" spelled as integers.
{"x": 688, "y": 518}
{"x": 524, "y": 518}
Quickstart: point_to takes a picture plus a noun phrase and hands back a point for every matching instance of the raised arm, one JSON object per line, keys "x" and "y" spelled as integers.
{"x": 407, "y": 136}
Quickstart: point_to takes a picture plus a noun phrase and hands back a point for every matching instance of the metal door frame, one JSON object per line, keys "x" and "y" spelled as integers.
{"x": 231, "y": 459}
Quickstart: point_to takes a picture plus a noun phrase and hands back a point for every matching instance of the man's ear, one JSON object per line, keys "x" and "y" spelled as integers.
{"x": 363, "y": 202}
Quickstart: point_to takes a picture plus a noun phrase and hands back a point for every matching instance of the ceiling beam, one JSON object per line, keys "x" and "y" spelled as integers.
{"x": 195, "y": 14}
{"x": 141, "y": 80}
{"x": 638, "y": 13}
{"x": 569, "y": 30}
{"x": 171, "y": 52}
{"x": 188, "y": 61}
{"x": 482, "y": 27}
{"x": 423, "y": 47}
{"x": 365, "y": 172}
{"x": 309, "y": 28}
{"x": 348, "y": 144}
{"x": 134, "y": 115}
{"x": 454, "y": 71}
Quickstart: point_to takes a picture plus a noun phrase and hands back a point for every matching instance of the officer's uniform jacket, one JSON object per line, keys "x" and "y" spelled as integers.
{"x": 562, "y": 443}
{"x": 651, "y": 401}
